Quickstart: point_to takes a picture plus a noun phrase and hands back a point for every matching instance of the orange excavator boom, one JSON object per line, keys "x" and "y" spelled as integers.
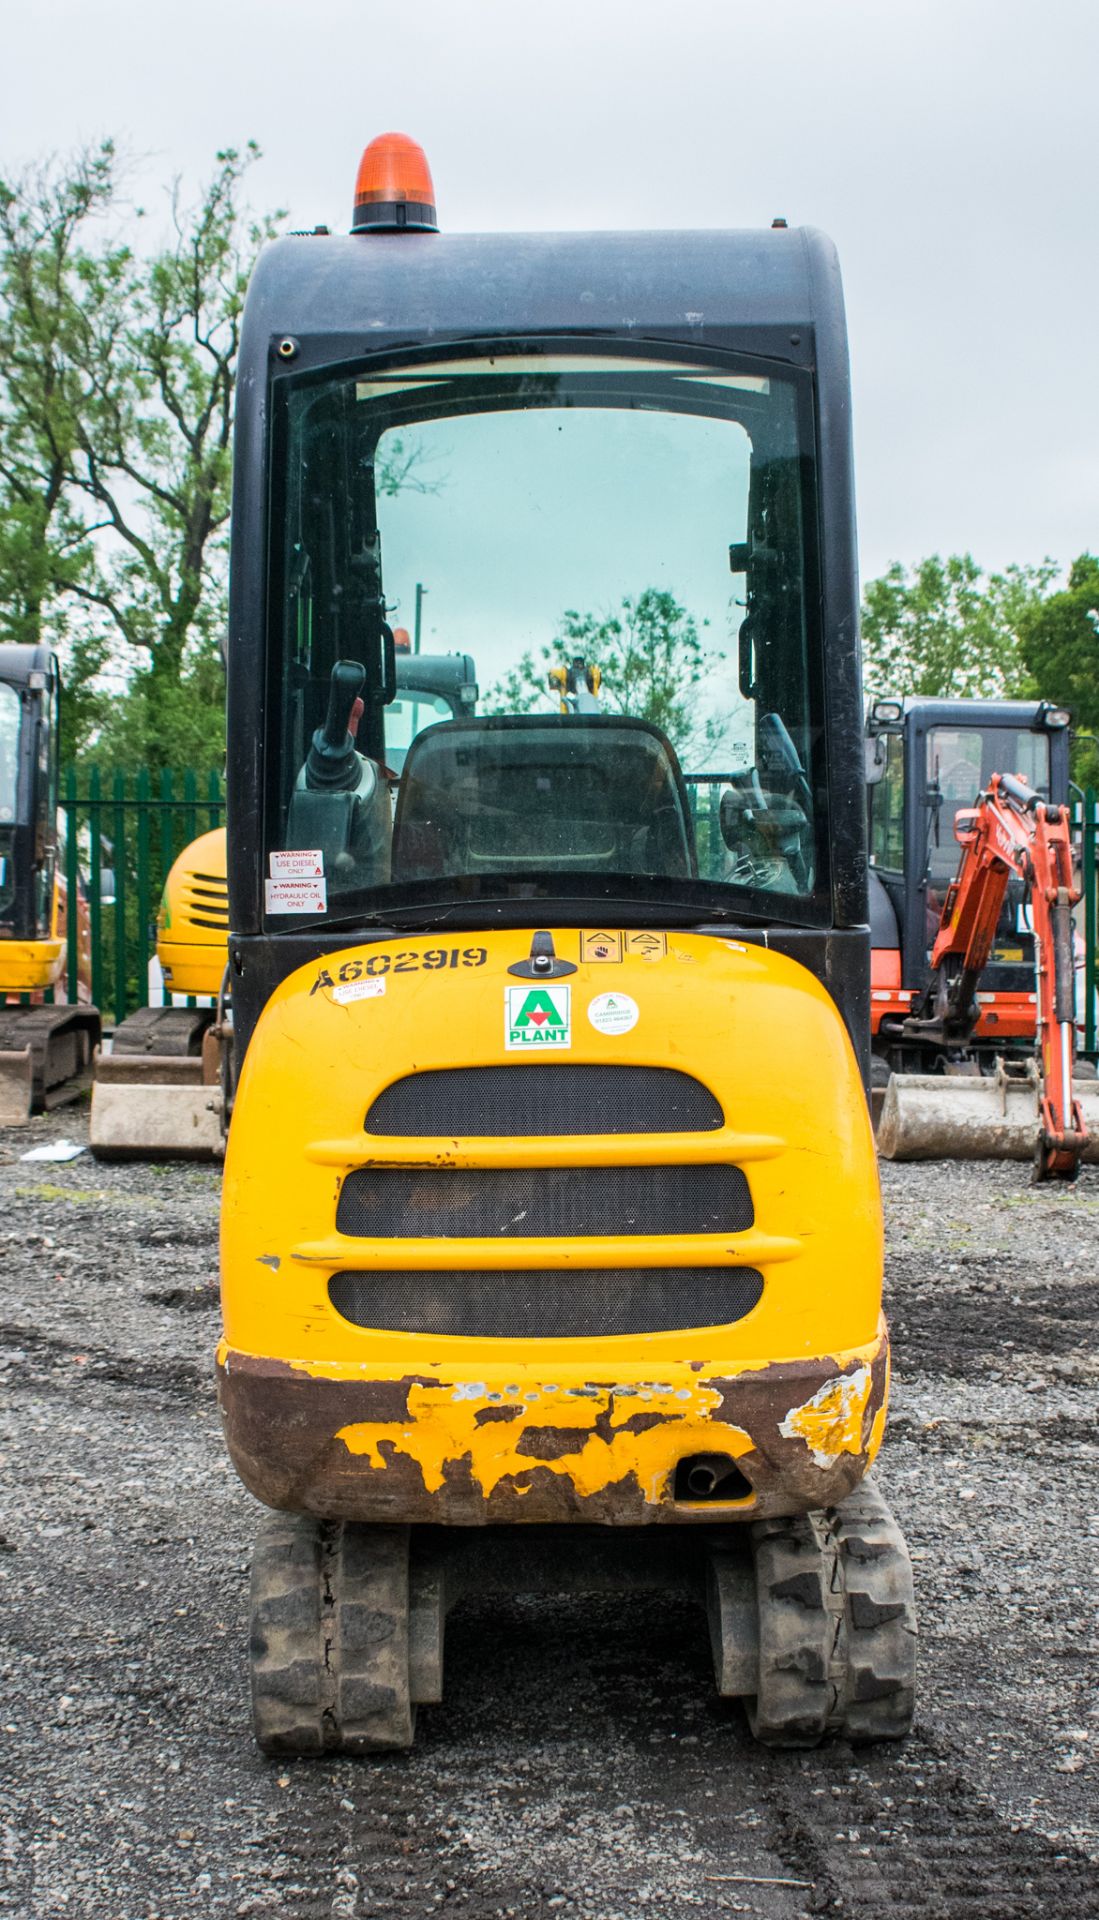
{"x": 1010, "y": 832}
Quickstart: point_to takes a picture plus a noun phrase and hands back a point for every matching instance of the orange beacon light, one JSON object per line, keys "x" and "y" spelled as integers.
{"x": 394, "y": 191}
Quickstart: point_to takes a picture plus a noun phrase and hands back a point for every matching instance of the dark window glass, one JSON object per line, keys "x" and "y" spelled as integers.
{"x": 624, "y": 547}
{"x": 960, "y": 764}
{"x": 887, "y": 808}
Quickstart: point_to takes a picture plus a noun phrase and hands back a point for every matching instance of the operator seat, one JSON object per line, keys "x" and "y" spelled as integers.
{"x": 567, "y": 794}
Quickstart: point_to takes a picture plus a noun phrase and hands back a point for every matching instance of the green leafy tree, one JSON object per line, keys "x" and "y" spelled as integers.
{"x": 116, "y": 411}
{"x": 47, "y": 213}
{"x": 1060, "y": 645}
{"x": 157, "y": 360}
{"x": 653, "y": 665}
{"x": 947, "y": 628}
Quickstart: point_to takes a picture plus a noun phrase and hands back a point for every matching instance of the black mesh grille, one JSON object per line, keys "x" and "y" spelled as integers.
{"x": 584, "y": 1303}
{"x": 518, "y": 1202}
{"x": 545, "y": 1099}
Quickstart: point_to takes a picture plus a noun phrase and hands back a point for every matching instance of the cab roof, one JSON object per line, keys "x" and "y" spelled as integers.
{"x": 385, "y": 289}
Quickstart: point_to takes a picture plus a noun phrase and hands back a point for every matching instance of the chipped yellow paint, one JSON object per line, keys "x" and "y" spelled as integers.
{"x": 442, "y": 1428}
{"x": 831, "y": 1422}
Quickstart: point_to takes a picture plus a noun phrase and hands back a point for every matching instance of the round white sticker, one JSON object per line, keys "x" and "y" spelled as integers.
{"x": 613, "y": 1013}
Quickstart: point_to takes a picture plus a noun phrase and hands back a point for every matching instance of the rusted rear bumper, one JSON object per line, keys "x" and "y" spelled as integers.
{"x": 442, "y": 1448}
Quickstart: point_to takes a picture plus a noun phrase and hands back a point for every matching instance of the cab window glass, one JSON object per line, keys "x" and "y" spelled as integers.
{"x": 10, "y": 713}
{"x": 887, "y": 808}
{"x": 960, "y": 764}
{"x": 407, "y": 716}
{"x": 623, "y": 548}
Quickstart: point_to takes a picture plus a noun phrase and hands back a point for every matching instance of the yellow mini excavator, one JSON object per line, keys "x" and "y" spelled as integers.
{"x": 46, "y": 1046}
{"x": 551, "y": 1230}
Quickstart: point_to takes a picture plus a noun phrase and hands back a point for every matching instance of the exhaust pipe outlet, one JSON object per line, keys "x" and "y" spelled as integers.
{"x": 710, "y": 1476}
{"x": 703, "y": 1476}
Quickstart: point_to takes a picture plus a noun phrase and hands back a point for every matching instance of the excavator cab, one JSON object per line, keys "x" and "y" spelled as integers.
{"x": 551, "y": 1231}
{"x": 46, "y": 1049}
{"x": 926, "y": 760}
{"x": 973, "y": 967}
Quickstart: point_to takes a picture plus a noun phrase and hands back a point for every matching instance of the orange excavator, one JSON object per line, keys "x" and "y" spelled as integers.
{"x": 1011, "y": 832}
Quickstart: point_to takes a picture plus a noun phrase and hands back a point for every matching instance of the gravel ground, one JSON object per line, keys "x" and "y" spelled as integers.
{"x": 582, "y": 1765}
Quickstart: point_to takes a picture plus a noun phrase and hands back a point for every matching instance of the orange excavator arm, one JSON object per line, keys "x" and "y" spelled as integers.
{"x": 1012, "y": 830}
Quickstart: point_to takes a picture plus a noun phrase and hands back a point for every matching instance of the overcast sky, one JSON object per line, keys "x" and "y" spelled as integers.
{"x": 949, "y": 147}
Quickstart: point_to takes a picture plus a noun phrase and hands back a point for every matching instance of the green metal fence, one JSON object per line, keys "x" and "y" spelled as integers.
{"x": 134, "y": 825}
{"x": 130, "y": 826}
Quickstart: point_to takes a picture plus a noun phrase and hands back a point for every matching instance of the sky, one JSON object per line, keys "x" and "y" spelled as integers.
{"x": 949, "y": 147}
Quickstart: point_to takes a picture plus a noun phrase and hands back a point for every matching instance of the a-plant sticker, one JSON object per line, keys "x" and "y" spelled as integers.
{"x": 613, "y": 1013}
{"x": 537, "y": 1019}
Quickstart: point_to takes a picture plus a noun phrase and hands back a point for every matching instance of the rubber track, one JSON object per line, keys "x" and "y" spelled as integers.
{"x": 290, "y": 1684}
{"x": 799, "y": 1625}
{"x": 176, "y": 1031}
{"x": 329, "y": 1637}
{"x": 837, "y": 1625}
{"x": 879, "y": 1619}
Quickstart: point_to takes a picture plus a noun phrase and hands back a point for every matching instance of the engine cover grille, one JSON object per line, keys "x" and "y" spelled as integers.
{"x": 544, "y": 1202}
{"x": 548, "y": 1304}
{"x": 544, "y": 1099}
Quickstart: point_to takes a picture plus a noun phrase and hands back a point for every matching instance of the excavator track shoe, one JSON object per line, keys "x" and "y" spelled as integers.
{"x": 330, "y": 1637}
{"x": 829, "y": 1646}
{"x": 46, "y": 1055}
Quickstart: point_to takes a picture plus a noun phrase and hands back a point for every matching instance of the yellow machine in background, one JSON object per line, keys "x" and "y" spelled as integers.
{"x": 192, "y": 924}
{"x": 46, "y": 1050}
{"x": 162, "y": 1091}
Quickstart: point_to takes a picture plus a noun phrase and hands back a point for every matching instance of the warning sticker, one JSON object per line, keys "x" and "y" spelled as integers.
{"x": 297, "y": 866}
{"x": 349, "y": 990}
{"x": 613, "y": 1013}
{"x": 296, "y": 896}
{"x": 537, "y": 1019}
{"x": 648, "y": 946}
{"x": 600, "y": 946}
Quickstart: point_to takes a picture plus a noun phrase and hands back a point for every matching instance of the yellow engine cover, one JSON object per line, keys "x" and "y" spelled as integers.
{"x": 31, "y": 966}
{"x": 327, "y": 1415}
{"x": 192, "y": 928}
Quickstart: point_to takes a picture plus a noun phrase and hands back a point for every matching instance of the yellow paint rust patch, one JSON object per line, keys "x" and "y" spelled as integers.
{"x": 442, "y": 1427}
{"x": 831, "y": 1422}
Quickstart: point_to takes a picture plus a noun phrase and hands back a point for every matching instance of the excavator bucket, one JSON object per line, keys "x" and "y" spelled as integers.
{"x": 158, "y": 1108}
{"x": 16, "y": 1088}
{"x": 934, "y": 1116}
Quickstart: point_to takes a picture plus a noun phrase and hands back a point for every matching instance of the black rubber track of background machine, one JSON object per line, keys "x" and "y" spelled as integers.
{"x": 329, "y": 1637}
{"x": 175, "y": 1031}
